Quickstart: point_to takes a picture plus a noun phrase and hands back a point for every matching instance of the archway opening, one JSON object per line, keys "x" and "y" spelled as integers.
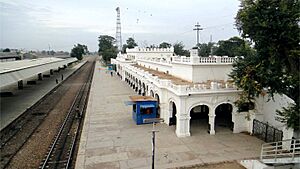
{"x": 147, "y": 90}
{"x": 158, "y": 107}
{"x": 151, "y": 93}
{"x": 143, "y": 89}
{"x": 223, "y": 118}
{"x": 199, "y": 119}
{"x": 136, "y": 85}
{"x": 140, "y": 87}
{"x": 173, "y": 111}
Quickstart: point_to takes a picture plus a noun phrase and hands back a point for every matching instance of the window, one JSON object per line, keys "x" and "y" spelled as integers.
{"x": 146, "y": 110}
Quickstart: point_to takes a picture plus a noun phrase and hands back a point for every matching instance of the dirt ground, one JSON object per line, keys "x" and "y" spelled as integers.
{"x": 223, "y": 165}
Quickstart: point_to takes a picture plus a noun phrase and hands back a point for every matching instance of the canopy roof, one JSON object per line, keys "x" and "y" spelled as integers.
{"x": 142, "y": 98}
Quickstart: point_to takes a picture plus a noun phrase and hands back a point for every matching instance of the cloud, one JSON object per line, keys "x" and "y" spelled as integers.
{"x": 35, "y": 22}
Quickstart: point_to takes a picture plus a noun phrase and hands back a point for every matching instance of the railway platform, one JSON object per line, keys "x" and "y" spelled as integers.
{"x": 111, "y": 139}
{"x": 13, "y": 106}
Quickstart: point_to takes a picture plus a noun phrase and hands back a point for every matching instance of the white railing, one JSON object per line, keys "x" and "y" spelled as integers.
{"x": 208, "y": 60}
{"x": 140, "y": 50}
{"x": 227, "y": 59}
{"x": 182, "y": 88}
{"x": 197, "y": 60}
{"x": 156, "y": 60}
{"x": 276, "y": 152}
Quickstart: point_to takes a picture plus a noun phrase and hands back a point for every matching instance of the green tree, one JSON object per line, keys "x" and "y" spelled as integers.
{"x": 205, "y": 49}
{"x": 6, "y": 50}
{"x": 165, "y": 45}
{"x": 232, "y": 47}
{"x": 106, "y": 48}
{"x": 152, "y": 46}
{"x": 179, "y": 49}
{"x": 273, "y": 26}
{"x": 79, "y": 50}
{"x": 130, "y": 43}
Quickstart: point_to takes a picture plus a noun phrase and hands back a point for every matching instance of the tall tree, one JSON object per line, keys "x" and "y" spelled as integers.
{"x": 130, "y": 43}
{"x": 273, "y": 26}
{"x": 205, "y": 49}
{"x": 6, "y": 50}
{"x": 232, "y": 47}
{"x": 106, "y": 48}
{"x": 179, "y": 49}
{"x": 165, "y": 45}
{"x": 79, "y": 50}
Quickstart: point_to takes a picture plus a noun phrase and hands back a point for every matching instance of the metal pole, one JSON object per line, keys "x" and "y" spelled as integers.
{"x": 153, "y": 145}
{"x": 153, "y": 121}
{"x": 197, "y": 36}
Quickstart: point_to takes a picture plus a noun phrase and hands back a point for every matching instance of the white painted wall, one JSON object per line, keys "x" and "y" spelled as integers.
{"x": 196, "y": 73}
{"x": 183, "y": 71}
{"x": 204, "y": 72}
{"x": 162, "y": 67}
{"x": 268, "y": 108}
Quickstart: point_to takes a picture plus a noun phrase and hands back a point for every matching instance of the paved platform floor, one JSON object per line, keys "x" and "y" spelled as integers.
{"x": 13, "y": 106}
{"x": 110, "y": 138}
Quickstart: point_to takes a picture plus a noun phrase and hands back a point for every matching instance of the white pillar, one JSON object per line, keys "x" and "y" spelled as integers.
{"x": 182, "y": 119}
{"x": 183, "y": 125}
{"x": 123, "y": 75}
{"x": 211, "y": 122}
{"x": 233, "y": 119}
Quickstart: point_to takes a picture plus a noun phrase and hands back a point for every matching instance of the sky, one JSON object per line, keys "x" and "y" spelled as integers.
{"x": 59, "y": 24}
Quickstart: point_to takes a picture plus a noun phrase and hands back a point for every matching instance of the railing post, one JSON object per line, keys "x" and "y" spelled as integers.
{"x": 274, "y": 132}
{"x": 266, "y": 134}
{"x": 261, "y": 152}
{"x": 294, "y": 147}
{"x": 276, "y": 149}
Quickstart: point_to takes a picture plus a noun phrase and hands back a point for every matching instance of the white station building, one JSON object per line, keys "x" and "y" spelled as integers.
{"x": 193, "y": 90}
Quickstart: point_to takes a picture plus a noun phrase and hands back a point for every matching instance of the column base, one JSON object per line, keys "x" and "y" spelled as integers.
{"x": 182, "y": 134}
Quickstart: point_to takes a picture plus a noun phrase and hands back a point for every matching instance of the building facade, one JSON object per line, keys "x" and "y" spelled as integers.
{"x": 190, "y": 90}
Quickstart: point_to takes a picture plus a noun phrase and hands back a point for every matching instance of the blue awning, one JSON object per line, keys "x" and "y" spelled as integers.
{"x": 147, "y": 106}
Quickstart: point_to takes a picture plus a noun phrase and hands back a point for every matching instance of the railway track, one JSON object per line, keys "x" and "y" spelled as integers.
{"x": 61, "y": 151}
{"x": 16, "y": 135}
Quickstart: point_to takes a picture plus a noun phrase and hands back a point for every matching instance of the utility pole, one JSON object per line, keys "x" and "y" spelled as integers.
{"x": 48, "y": 49}
{"x": 118, "y": 31}
{"x": 197, "y": 28}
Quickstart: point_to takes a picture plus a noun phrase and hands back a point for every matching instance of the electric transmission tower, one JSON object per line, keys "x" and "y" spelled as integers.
{"x": 118, "y": 31}
{"x": 197, "y": 28}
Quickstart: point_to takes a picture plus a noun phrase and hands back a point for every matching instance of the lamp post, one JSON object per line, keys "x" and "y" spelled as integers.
{"x": 153, "y": 121}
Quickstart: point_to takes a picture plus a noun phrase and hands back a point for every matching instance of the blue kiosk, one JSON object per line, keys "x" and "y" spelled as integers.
{"x": 143, "y": 107}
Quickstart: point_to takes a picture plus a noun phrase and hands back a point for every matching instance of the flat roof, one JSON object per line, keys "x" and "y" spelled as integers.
{"x": 162, "y": 75}
{"x": 26, "y": 63}
{"x": 142, "y": 98}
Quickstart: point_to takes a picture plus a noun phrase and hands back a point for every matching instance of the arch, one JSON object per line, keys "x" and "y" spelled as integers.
{"x": 199, "y": 122}
{"x": 158, "y": 105}
{"x": 151, "y": 93}
{"x": 143, "y": 89}
{"x": 173, "y": 112}
{"x": 147, "y": 89}
{"x": 223, "y": 116}
{"x": 199, "y": 104}
{"x": 139, "y": 90}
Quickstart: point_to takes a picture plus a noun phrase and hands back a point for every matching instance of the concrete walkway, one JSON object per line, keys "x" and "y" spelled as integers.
{"x": 14, "y": 106}
{"x": 110, "y": 138}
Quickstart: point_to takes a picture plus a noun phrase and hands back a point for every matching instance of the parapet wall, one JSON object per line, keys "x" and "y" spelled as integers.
{"x": 156, "y": 50}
